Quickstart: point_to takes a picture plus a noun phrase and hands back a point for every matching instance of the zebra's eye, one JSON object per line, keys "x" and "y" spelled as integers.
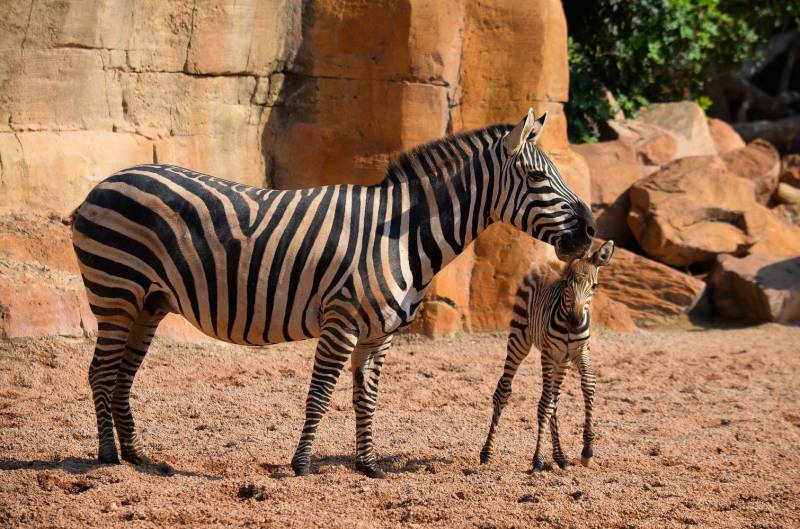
{"x": 594, "y": 287}
{"x": 536, "y": 176}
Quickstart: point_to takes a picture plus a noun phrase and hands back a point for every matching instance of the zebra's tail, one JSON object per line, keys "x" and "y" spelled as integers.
{"x": 69, "y": 219}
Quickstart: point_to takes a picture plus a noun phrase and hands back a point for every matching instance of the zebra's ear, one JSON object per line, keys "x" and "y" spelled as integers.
{"x": 603, "y": 255}
{"x": 538, "y": 126}
{"x": 515, "y": 140}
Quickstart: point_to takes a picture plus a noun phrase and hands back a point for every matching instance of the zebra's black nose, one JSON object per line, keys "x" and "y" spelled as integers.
{"x": 577, "y": 241}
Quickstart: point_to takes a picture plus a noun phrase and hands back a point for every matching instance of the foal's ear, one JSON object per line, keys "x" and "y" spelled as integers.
{"x": 528, "y": 129}
{"x": 603, "y": 255}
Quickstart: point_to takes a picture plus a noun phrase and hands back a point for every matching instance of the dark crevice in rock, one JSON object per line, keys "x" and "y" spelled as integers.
{"x": 447, "y": 301}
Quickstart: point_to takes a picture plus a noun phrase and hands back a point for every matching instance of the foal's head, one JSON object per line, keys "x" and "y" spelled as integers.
{"x": 581, "y": 281}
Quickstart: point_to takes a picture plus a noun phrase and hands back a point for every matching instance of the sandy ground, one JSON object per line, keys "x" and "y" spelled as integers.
{"x": 696, "y": 427}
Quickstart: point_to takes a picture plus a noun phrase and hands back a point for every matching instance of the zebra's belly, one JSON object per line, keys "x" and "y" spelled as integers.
{"x": 239, "y": 323}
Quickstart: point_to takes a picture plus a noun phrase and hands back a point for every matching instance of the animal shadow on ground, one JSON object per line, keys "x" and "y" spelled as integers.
{"x": 396, "y": 464}
{"x": 82, "y": 465}
{"x": 73, "y": 465}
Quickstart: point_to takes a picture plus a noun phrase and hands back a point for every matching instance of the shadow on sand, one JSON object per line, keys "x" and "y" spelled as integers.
{"x": 397, "y": 464}
{"x": 83, "y": 465}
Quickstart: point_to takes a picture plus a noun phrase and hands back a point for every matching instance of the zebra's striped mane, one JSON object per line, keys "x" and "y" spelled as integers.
{"x": 447, "y": 149}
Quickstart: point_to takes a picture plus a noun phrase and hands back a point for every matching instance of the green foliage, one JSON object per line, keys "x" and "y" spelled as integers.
{"x": 704, "y": 102}
{"x": 658, "y": 50}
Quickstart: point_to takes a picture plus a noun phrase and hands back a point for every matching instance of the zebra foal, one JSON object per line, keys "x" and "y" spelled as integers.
{"x": 554, "y": 317}
{"x": 347, "y": 264}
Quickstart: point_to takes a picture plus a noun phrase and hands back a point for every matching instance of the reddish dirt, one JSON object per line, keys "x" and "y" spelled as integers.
{"x": 695, "y": 427}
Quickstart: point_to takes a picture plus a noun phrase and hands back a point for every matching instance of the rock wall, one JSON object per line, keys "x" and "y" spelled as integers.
{"x": 284, "y": 93}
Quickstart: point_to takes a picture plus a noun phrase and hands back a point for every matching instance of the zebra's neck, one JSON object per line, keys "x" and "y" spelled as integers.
{"x": 450, "y": 187}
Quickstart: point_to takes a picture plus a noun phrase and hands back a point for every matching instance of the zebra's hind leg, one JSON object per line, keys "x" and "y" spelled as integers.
{"x": 366, "y": 364}
{"x": 558, "y": 454}
{"x": 113, "y": 328}
{"x": 544, "y": 410}
{"x": 517, "y": 350}
{"x": 135, "y": 350}
{"x": 333, "y": 350}
{"x": 588, "y": 385}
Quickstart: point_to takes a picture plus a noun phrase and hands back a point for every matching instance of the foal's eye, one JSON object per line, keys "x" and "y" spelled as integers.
{"x": 594, "y": 287}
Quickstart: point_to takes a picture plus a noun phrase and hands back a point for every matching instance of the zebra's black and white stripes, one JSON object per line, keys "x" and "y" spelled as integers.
{"x": 348, "y": 264}
{"x": 554, "y": 317}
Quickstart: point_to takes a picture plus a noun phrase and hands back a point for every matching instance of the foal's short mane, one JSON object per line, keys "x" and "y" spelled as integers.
{"x": 400, "y": 167}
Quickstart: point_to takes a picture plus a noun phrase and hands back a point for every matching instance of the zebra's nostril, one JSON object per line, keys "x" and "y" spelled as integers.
{"x": 590, "y": 231}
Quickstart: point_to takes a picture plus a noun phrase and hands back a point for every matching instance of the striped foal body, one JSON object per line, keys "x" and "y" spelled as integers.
{"x": 347, "y": 264}
{"x": 554, "y": 317}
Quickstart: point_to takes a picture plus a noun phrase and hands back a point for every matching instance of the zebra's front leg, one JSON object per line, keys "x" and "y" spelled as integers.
{"x": 558, "y": 454}
{"x": 588, "y": 385}
{"x": 334, "y": 348}
{"x": 517, "y": 350}
{"x": 545, "y": 409}
{"x": 366, "y": 364}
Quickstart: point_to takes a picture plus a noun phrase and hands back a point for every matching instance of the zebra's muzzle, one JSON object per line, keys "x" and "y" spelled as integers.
{"x": 576, "y": 242}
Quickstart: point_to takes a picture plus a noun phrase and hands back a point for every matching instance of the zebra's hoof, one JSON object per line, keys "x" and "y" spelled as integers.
{"x": 485, "y": 457}
{"x": 370, "y": 470}
{"x": 562, "y": 464}
{"x": 135, "y": 457}
{"x": 108, "y": 457}
{"x": 586, "y": 456}
{"x": 538, "y": 466}
{"x": 301, "y": 468}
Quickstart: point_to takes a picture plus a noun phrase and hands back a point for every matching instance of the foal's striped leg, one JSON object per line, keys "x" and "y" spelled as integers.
{"x": 366, "y": 363}
{"x": 516, "y": 351}
{"x": 113, "y": 328}
{"x": 558, "y": 454}
{"x": 588, "y": 385}
{"x": 136, "y": 348}
{"x": 333, "y": 350}
{"x": 545, "y": 408}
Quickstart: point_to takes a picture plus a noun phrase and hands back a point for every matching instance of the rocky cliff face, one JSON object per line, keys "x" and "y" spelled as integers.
{"x": 282, "y": 93}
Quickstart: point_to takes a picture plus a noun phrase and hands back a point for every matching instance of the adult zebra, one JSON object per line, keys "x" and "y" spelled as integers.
{"x": 348, "y": 264}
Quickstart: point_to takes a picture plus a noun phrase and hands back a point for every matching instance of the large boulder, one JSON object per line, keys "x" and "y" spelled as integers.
{"x": 773, "y": 235}
{"x": 692, "y": 210}
{"x": 504, "y": 42}
{"x": 687, "y": 121}
{"x": 724, "y": 137}
{"x": 86, "y": 92}
{"x": 612, "y": 168}
{"x": 652, "y": 292}
{"x": 757, "y": 161}
{"x": 37, "y": 301}
{"x": 610, "y": 314}
{"x": 438, "y": 318}
{"x": 502, "y": 259}
{"x": 654, "y": 146}
{"x": 756, "y": 288}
